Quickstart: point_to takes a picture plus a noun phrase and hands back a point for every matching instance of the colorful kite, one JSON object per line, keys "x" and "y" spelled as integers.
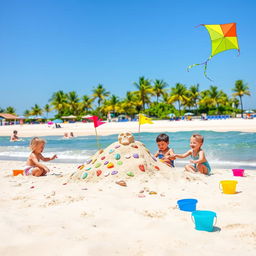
{"x": 223, "y": 38}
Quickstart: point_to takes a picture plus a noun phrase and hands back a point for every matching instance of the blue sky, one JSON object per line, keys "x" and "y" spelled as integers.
{"x": 51, "y": 45}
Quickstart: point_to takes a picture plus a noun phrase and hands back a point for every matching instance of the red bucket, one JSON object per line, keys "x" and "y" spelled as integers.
{"x": 238, "y": 172}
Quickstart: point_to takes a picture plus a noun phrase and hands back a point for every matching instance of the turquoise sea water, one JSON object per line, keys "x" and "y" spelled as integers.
{"x": 223, "y": 149}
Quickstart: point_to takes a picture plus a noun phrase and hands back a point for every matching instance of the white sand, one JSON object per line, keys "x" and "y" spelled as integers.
{"x": 83, "y": 129}
{"x": 103, "y": 218}
{"x": 56, "y": 215}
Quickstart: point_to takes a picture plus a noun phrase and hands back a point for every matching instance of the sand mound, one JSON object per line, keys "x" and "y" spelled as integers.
{"x": 123, "y": 162}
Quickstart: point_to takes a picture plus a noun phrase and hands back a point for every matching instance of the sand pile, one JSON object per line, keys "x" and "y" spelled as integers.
{"x": 124, "y": 160}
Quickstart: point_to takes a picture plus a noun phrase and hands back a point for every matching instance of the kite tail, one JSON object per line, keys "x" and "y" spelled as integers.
{"x": 205, "y": 67}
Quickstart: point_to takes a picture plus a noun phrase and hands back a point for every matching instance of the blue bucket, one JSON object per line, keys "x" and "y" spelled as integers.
{"x": 204, "y": 220}
{"x": 187, "y": 205}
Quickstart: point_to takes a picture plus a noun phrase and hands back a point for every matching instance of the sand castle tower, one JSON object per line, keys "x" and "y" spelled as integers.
{"x": 122, "y": 160}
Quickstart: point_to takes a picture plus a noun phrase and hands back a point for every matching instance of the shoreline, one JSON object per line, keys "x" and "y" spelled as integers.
{"x": 87, "y": 129}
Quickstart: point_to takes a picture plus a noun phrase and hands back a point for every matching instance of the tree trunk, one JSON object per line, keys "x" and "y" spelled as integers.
{"x": 179, "y": 106}
{"x": 241, "y": 102}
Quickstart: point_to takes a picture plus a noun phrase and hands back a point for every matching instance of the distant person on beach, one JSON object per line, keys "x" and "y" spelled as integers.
{"x": 67, "y": 136}
{"x": 164, "y": 153}
{"x": 198, "y": 162}
{"x": 33, "y": 166}
{"x": 14, "y": 136}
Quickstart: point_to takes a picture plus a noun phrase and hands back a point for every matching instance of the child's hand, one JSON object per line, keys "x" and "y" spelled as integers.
{"x": 46, "y": 169}
{"x": 192, "y": 161}
{"x": 172, "y": 157}
{"x": 53, "y": 157}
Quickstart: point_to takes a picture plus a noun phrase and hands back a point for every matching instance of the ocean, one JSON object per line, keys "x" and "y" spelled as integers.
{"x": 223, "y": 149}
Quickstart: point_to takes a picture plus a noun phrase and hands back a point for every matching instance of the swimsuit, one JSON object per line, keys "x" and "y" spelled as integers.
{"x": 204, "y": 163}
{"x": 28, "y": 170}
{"x": 169, "y": 162}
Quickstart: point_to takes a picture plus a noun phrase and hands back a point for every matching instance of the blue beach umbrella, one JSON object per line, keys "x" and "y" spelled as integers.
{"x": 57, "y": 121}
{"x": 188, "y": 114}
{"x": 249, "y": 112}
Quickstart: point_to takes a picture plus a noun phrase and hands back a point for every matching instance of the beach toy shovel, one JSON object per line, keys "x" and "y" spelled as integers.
{"x": 187, "y": 205}
{"x": 238, "y": 172}
{"x": 204, "y": 220}
{"x": 228, "y": 186}
{"x": 17, "y": 172}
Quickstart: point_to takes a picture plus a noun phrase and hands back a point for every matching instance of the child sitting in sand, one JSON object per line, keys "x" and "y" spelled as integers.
{"x": 33, "y": 167}
{"x": 198, "y": 162}
{"x": 164, "y": 153}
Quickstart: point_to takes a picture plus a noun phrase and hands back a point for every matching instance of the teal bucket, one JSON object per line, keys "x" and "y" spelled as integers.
{"x": 204, "y": 220}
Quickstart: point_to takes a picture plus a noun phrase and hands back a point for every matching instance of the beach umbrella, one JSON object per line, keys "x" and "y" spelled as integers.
{"x": 56, "y": 121}
{"x": 40, "y": 117}
{"x": 50, "y": 122}
{"x": 188, "y": 114}
{"x": 171, "y": 115}
{"x": 249, "y": 112}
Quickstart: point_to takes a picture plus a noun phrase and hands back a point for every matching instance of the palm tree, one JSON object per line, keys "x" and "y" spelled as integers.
{"x": 234, "y": 102}
{"x": 188, "y": 101}
{"x": 27, "y": 113}
{"x": 10, "y": 110}
{"x": 214, "y": 98}
{"x": 158, "y": 88}
{"x": 130, "y": 104}
{"x": 36, "y": 110}
{"x": 47, "y": 109}
{"x": 100, "y": 93}
{"x": 194, "y": 94}
{"x": 240, "y": 90}
{"x": 86, "y": 103}
{"x": 73, "y": 102}
{"x": 144, "y": 90}
{"x": 112, "y": 104}
{"x": 59, "y": 102}
{"x": 179, "y": 94}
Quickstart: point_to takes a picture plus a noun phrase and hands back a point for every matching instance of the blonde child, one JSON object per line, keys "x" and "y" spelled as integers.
{"x": 33, "y": 166}
{"x": 198, "y": 162}
{"x": 164, "y": 152}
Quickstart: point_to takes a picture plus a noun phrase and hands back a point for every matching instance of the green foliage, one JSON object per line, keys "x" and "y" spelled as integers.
{"x": 10, "y": 110}
{"x": 153, "y": 99}
{"x": 161, "y": 110}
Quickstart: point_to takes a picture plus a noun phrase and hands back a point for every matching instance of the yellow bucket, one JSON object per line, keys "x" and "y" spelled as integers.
{"x": 228, "y": 186}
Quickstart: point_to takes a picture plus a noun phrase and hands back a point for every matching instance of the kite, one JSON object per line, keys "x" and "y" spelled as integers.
{"x": 223, "y": 38}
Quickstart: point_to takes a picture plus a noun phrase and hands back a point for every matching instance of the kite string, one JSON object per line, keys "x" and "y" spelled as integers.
{"x": 205, "y": 67}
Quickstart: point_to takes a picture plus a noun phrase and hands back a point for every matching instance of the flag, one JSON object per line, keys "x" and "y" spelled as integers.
{"x": 144, "y": 120}
{"x": 96, "y": 121}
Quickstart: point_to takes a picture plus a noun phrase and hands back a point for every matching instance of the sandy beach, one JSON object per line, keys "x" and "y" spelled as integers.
{"x": 83, "y": 129}
{"x": 54, "y": 215}
{"x": 59, "y": 215}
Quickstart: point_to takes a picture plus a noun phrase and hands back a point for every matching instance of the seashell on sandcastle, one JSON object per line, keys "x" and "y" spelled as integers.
{"x": 122, "y": 160}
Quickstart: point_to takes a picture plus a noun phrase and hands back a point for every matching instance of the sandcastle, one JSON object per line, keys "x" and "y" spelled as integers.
{"x": 122, "y": 160}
